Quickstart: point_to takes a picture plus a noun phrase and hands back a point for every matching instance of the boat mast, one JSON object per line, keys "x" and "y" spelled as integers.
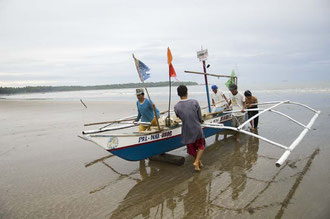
{"x": 207, "y": 87}
{"x": 202, "y": 55}
{"x": 169, "y": 99}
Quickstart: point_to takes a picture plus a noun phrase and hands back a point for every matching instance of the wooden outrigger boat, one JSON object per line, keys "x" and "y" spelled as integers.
{"x": 166, "y": 137}
{"x": 141, "y": 145}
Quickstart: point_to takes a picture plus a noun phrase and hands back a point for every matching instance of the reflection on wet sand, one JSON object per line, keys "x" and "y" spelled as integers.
{"x": 188, "y": 188}
{"x": 242, "y": 159}
{"x": 178, "y": 192}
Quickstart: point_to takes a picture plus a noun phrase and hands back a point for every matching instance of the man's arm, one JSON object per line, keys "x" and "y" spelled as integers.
{"x": 244, "y": 104}
{"x": 199, "y": 113}
{"x": 139, "y": 114}
{"x": 213, "y": 102}
{"x": 224, "y": 96}
{"x": 176, "y": 112}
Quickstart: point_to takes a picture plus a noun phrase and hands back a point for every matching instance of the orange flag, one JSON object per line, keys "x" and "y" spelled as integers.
{"x": 169, "y": 62}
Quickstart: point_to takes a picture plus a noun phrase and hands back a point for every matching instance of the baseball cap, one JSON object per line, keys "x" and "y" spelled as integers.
{"x": 139, "y": 91}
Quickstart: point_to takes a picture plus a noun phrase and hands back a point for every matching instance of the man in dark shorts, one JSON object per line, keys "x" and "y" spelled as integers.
{"x": 189, "y": 111}
{"x": 251, "y": 103}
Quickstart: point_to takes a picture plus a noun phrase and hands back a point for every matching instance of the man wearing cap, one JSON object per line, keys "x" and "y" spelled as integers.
{"x": 145, "y": 110}
{"x": 237, "y": 100}
{"x": 217, "y": 97}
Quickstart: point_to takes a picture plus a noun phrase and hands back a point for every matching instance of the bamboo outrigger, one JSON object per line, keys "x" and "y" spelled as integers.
{"x": 288, "y": 149}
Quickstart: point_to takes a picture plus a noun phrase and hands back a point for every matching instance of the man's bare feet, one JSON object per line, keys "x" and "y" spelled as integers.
{"x": 200, "y": 164}
{"x": 196, "y": 165}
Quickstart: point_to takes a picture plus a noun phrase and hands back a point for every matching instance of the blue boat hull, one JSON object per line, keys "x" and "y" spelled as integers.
{"x": 146, "y": 150}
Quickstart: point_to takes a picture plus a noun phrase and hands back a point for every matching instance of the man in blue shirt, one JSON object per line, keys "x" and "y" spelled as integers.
{"x": 145, "y": 110}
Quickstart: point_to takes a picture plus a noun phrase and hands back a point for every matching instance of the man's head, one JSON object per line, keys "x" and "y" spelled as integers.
{"x": 233, "y": 88}
{"x": 140, "y": 93}
{"x": 214, "y": 88}
{"x": 247, "y": 93}
{"x": 182, "y": 91}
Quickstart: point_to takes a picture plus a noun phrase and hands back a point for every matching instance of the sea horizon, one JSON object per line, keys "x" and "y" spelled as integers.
{"x": 161, "y": 93}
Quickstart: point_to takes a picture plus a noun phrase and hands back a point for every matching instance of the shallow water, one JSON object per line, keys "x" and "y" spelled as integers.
{"x": 48, "y": 172}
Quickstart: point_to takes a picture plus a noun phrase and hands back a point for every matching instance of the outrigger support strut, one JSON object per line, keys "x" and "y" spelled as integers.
{"x": 288, "y": 149}
{"x": 263, "y": 111}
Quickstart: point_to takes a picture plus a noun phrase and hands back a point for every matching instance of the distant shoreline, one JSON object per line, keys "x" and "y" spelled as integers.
{"x": 47, "y": 89}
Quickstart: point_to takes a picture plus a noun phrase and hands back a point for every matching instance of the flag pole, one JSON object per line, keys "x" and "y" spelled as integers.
{"x": 152, "y": 104}
{"x": 169, "y": 101}
{"x": 153, "y": 107}
{"x": 207, "y": 87}
{"x": 171, "y": 74}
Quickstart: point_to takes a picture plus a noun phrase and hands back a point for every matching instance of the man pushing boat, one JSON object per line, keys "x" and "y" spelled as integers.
{"x": 189, "y": 111}
{"x": 237, "y": 101}
{"x": 145, "y": 110}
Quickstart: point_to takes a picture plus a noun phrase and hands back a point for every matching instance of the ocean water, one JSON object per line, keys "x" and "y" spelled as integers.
{"x": 162, "y": 94}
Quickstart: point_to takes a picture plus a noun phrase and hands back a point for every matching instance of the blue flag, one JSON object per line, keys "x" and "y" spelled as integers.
{"x": 142, "y": 69}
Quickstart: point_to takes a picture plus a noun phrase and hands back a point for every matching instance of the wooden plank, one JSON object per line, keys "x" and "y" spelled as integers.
{"x": 214, "y": 75}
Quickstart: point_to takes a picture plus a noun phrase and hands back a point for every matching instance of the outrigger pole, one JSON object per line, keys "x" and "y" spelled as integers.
{"x": 153, "y": 105}
{"x": 288, "y": 149}
{"x": 215, "y": 75}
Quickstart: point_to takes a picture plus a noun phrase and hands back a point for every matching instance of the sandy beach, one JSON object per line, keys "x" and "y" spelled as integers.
{"x": 47, "y": 171}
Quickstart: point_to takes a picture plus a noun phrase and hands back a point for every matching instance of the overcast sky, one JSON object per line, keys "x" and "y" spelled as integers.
{"x": 90, "y": 42}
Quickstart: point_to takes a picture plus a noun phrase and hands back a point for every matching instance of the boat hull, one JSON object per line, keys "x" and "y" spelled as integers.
{"x": 143, "y": 151}
{"x": 134, "y": 148}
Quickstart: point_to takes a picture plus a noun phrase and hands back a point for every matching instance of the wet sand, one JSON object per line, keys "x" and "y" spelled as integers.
{"x": 48, "y": 172}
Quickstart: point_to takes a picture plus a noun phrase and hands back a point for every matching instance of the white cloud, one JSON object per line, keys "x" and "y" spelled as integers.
{"x": 91, "y": 42}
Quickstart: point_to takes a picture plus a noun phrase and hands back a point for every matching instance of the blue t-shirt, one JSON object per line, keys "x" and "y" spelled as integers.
{"x": 145, "y": 111}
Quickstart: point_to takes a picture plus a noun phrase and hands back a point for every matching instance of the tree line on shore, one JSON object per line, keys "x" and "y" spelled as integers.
{"x": 44, "y": 89}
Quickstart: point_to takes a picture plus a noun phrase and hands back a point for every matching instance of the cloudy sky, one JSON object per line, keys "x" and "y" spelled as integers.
{"x": 90, "y": 42}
